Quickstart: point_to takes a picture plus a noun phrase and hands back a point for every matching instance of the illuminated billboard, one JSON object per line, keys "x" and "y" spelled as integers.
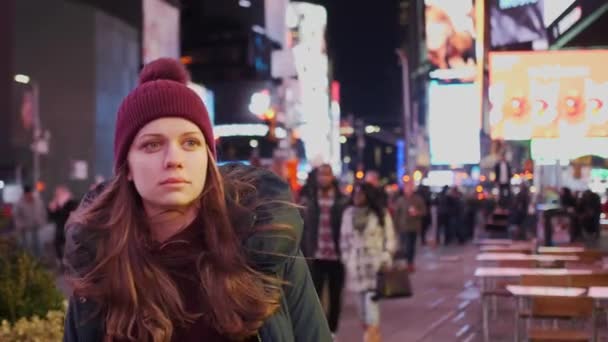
{"x": 522, "y": 21}
{"x": 516, "y": 21}
{"x": 548, "y": 94}
{"x": 553, "y": 9}
{"x": 450, "y": 38}
{"x": 160, "y": 31}
{"x": 454, "y": 124}
{"x": 566, "y": 149}
{"x": 307, "y": 24}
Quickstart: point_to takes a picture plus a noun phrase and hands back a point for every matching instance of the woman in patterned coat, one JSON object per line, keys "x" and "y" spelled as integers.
{"x": 368, "y": 242}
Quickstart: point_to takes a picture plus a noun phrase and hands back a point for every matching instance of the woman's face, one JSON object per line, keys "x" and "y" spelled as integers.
{"x": 359, "y": 199}
{"x": 168, "y": 163}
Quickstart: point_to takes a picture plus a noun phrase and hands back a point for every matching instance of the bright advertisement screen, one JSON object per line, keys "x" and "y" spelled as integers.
{"x": 450, "y": 38}
{"x": 516, "y": 21}
{"x": 522, "y": 21}
{"x": 207, "y": 97}
{"x": 548, "y": 94}
{"x": 308, "y": 23}
{"x": 454, "y": 124}
{"x": 554, "y": 8}
{"x": 160, "y": 31}
{"x": 567, "y": 149}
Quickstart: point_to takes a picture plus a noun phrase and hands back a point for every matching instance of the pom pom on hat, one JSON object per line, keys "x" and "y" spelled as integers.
{"x": 164, "y": 69}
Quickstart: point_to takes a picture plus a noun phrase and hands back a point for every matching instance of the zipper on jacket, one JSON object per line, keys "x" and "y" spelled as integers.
{"x": 259, "y": 337}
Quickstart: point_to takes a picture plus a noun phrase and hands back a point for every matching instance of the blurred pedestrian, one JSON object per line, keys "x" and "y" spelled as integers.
{"x": 173, "y": 248}
{"x": 425, "y": 193}
{"x": 503, "y": 173}
{"x": 30, "y": 218}
{"x": 455, "y": 204}
{"x": 520, "y": 211}
{"x": 323, "y": 204}
{"x": 368, "y": 242}
{"x": 372, "y": 177}
{"x": 605, "y": 204}
{"x": 59, "y": 210}
{"x": 590, "y": 211}
{"x": 570, "y": 205}
{"x": 409, "y": 216}
{"x": 443, "y": 215}
{"x": 309, "y": 186}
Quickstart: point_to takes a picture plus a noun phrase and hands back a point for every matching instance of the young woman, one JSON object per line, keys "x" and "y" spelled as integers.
{"x": 173, "y": 249}
{"x": 368, "y": 242}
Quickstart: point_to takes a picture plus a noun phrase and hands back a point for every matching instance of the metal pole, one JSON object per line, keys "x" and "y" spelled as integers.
{"x": 36, "y": 133}
{"x": 359, "y": 131}
{"x": 407, "y": 110}
{"x": 18, "y": 176}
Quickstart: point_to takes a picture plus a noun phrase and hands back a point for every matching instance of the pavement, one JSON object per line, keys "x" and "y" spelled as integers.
{"x": 445, "y": 306}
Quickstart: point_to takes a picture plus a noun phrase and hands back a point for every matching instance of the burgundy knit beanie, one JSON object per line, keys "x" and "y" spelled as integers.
{"x": 162, "y": 92}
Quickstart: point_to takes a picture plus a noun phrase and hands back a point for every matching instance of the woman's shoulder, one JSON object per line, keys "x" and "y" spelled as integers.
{"x": 267, "y": 183}
{"x": 276, "y": 221}
{"x": 80, "y": 251}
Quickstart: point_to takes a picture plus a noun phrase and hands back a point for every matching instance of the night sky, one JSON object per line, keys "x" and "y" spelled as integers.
{"x": 362, "y": 38}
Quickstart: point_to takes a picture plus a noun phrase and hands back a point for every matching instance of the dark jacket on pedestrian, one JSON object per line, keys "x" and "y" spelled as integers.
{"x": 270, "y": 252}
{"x": 60, "y": 216}
{"x": 312, "y": 213}
{"x": 404, "y": 221}
{"x": 498, "y": 172}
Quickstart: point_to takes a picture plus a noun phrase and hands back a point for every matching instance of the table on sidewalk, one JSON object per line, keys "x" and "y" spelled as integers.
{"x": 516, "y": 248}
{"x": 544, "y": 291}
{"x": 493, "y": 242}
{"x": 493, "y": 273}
{"x": 599, "y": 295}
{"x": 522, "y": 293}
{"x": 565, "y": 250}
{"x": 516, "y": 272}
{"x": 522, "y": 256}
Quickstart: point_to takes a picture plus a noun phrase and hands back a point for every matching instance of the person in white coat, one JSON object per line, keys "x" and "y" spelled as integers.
{"x": 367, "y": 244}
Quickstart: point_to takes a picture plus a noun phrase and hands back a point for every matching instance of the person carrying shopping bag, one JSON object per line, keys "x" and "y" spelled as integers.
{"x": 367, "y": 244}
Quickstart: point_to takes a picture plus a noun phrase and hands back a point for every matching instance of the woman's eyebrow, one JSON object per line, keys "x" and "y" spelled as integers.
{"x": 192, "y": 133}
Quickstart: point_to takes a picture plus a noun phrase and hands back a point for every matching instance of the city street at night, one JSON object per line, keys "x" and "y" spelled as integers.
{"x": 303, "y": 171}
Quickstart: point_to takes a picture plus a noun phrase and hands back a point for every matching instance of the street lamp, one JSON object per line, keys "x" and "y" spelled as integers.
{"x": 259, "y": 102}
{"x": 23, "y": 79}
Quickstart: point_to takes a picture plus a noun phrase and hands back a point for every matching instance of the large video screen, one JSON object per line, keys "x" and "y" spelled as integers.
{"x": 514, "y": 22}
{"x": 450, "y": 38}
{"x": 522, "y": 21}
{"x": 454, "y": 124}
{"x": 548, "y": 94}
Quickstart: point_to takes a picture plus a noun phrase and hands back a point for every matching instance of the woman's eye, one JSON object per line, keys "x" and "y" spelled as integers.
{"x": 192, "y": 143}
{"x": 151, "y": 146}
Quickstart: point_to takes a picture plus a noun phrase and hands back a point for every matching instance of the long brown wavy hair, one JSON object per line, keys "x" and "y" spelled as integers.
{"x": 137, "y": 296}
